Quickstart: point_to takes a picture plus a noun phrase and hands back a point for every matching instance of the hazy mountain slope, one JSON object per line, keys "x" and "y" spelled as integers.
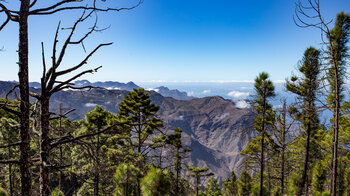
{"x": 214, "y": 128}
{"x": 176, "y": 94}
{"x": 112, "y": 85}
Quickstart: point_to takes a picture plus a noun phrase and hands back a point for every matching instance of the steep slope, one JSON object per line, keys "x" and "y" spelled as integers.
{"x": 214, "y": 128}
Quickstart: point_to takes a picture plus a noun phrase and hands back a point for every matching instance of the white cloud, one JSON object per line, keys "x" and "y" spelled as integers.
{"x": 206, "y": 91}
{"x": 222, "y": 116}
{"x": 190, "y": 94}
{"x": 238, "y": 94}
{"x": 242, "y": 104}
{"x": 181, "y": 118}
{"x": 90, "y": 105}
{"x": 113, "y": 88}
{"x": 152, "y": 89}
{"x": 279, "y": 81}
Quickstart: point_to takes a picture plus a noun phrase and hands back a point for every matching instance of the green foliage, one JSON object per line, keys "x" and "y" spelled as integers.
{"x": 229, "y": 185}
{"x": 198, "y": 173}
{"x": 139, "y": 114}
{"x": 253, "y": 148}
{"x": 212, "y": 188}
{"x": 294, "y": 183}
{"x": 264, "y": 90}
{"x": 126, "y": 179}
{"x": 57, "y": 192}
{"x": 326, "y": 193}
{"x": 306, "y": 88}
{"x": 256, "y": 190}
{"x": 156, "y": 183}
{"x": 174, "y": 140}
{"x": 277, "y": 191}
{"x": 85, "y": 190}
{"x": 9, "y": 134}
{"x": 319, "y": 176}
{"x": 90, "y": 158}
{"x": 339, "y": 37}
{"x": 244, "y": 184}
{"x": 3, "y": 192}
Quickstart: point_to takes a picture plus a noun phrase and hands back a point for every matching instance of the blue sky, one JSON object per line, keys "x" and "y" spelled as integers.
{"x": 179, "y": 40}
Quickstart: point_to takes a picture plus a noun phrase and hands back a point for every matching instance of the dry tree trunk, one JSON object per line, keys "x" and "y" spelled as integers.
{"x": 25, "y": 160}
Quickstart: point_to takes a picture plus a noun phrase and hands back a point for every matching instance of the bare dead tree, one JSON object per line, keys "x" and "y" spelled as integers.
{"x": 281, "y": 129}
{"x": 50, "y": 85}
{"x": 20, "y": 16}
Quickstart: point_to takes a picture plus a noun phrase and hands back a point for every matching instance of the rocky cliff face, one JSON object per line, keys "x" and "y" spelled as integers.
{"x": 214, "y": 128}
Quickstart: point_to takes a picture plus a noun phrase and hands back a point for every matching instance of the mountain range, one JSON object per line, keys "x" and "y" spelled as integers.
{"x": 214, "y": 128}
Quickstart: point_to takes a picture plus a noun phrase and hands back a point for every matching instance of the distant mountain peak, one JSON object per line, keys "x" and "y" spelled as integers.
{"x": 163, "y": 87}
{"x": 176, "y": 94}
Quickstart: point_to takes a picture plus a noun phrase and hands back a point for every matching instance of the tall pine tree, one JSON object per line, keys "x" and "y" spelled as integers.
{"x": 306, "y": 87}
{"x": 264, "y": 114}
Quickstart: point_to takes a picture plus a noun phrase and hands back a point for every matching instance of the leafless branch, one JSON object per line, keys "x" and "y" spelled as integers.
{"x": 65, "y": 85}
{"x": 44, "y": 63}
{"x": 11, "y": 161}
{"x": 35, "y": 95}
{"x": 83, "y": 61}
{"x": 56, "y": 8}
{"x": 66, "y": 139}
{"x": 7, "y": 108}
{"x": 10, "y": 145}
{"x": 33, "y": 3}
{"x": 9, "y": 15}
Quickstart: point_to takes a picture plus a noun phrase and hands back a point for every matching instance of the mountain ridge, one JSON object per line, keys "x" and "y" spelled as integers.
{"x": 213, "y": 127}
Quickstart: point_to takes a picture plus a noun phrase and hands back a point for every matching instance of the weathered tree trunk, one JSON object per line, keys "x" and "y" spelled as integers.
{"x": 262, "y": 164}
{"x": 97, "y": 166}
{"x": 335, "y": 134}
{"x": 283, "y": 145}
{"x": 61, "y": 152}
{"x": 10, "y": 172}
{"x": 306, "y": 161}
{"x": 44, "y": 142}
{"x": 25, "y": 159}
{"x": 262, "y": 149}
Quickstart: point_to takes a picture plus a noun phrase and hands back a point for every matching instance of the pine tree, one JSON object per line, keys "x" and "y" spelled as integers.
{"x": 230, "y": 185}
{"x": 338, "y": 55}
{"x": 126, "y": 177}
{"x": 140, "y": 114}
{"x": 306, "y": 87}
{"x": 244, "y": 184}
{"x": 212, "y": 188}
{"x": 156, "y": 183}
{"x": 319, "y": 176}
{"x": 175, "y": 141}
{"x": 141, "y": 126}
{"x": 265, "y": 116}
{"x": 89, "y": 158}
{"x": 198, "y": 173}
